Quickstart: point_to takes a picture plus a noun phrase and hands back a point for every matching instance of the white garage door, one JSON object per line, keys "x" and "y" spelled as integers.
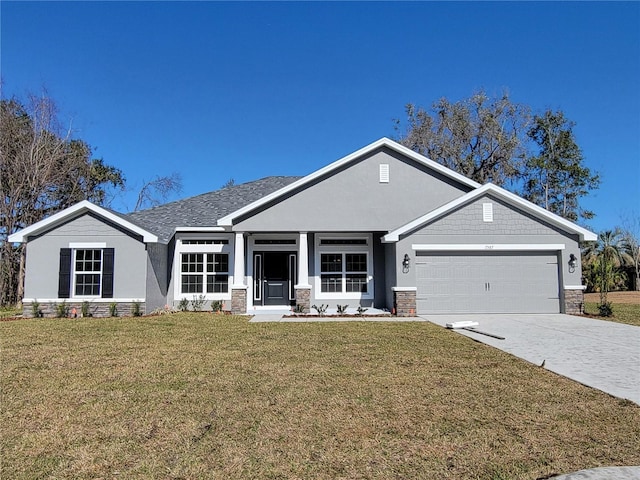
{"x": 487, "y": 282}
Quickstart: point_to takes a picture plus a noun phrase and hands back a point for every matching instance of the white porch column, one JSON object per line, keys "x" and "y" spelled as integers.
{"x": 303, "y": 261}
{"x": 238, "y": 261}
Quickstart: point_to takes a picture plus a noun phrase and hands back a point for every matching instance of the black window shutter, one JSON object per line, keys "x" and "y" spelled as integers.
{"x": 64, "y": 275}
{"x": 107, "y": 273}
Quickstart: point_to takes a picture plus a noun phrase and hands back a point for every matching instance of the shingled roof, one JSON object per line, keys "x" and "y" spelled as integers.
{"x": 204, "y": 210}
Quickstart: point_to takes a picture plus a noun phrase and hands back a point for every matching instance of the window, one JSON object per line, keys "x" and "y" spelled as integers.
{"x": 87, "y": 273}
{"x": 86, "y": 270}
{"x": 343, "y": 273}
{"x": 200, "y": 269}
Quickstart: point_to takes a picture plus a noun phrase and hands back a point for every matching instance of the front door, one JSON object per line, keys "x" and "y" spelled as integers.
{"x": 274, "y": 278}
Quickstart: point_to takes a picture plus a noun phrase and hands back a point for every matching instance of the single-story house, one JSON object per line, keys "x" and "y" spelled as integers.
{"x": 383, "y": 227}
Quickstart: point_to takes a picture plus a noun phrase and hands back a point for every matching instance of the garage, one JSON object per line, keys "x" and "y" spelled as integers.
{"x": 487, "y": 282}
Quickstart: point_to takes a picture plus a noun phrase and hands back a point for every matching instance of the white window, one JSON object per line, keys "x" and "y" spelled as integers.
{"x": 87, "y": 272}
{"x": 344, "y": 266}
{"x": 202, "y": 267}
{"x": 204, "y": 273}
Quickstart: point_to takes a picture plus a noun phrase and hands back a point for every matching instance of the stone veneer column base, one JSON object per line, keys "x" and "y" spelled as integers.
{"x": 574, "y": 302}
{"x": 404, "y": 301}
{"x": 303, "y": 298}
{"x": 239, "y": 300}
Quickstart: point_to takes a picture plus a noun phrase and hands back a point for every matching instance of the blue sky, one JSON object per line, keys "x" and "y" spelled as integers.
{"x": 244, "y": 90}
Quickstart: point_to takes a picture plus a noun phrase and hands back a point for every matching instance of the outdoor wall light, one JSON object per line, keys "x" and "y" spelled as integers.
{"x": 573, "y": 261}
{"x": 406, "y": 262}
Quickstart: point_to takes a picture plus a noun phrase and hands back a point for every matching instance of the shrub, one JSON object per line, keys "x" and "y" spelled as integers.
{"x": 605, "y": 309}
{"x": 62, "y": 309}
{"x": 183, "y": 305}
{"x": 84, "y": 309}
{"x": 361, "y": 310}
{"x": 35, "y": 309}
{"x": 113, "y": 309}
{"x": 342, "y": 309}
{"x": 216, "y": 306}
{"x": 298, "y": 309}
{"x": 136, "y": 309}
{"x": 321, "y": 309}
{"x": 197, "y": 303}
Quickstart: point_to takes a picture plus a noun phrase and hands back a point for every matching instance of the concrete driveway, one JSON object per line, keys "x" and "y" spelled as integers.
{"x": 600, "y": 354}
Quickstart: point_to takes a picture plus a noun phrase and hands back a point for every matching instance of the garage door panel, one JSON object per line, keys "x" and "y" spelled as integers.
{"x": 487, "y": 282}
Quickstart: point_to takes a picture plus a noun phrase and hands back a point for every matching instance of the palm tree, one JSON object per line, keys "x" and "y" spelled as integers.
{"x": 605, "y": 258}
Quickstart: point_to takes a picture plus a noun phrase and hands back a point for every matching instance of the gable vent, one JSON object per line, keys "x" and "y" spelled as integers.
{"x": 487, "y": 212}
{"x": 384, "y": 173}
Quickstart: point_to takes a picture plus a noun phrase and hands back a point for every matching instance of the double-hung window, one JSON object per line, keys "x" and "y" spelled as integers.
{"x": 344, "y": 267}
{"x": 201, "y": 270}
{"x": 86, "y": 270}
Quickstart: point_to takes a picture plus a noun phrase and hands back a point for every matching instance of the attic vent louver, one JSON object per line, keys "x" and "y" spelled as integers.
{"x": 384, "y": 173}
{"x": 487, "y": 212}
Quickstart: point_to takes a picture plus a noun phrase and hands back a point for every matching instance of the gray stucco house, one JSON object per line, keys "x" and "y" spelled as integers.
{"x": 383, "y": 227}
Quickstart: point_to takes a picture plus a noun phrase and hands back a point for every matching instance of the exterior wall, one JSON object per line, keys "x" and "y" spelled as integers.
{"x": 509, "y": 226}
{"x": 157, "y": 276}
{"x": 353, "y": 199}
{"x": 43, "y": 261}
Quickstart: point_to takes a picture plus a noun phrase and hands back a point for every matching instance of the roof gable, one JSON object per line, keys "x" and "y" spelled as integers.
{"x": 75, "y": 211}
{"x": 506, "y": 196}
{"x": 228, "y": 220}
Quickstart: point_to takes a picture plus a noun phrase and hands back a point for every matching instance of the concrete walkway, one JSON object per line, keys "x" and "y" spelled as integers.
{"x": 596, "y": 353}
{"x": 603, "y": 473}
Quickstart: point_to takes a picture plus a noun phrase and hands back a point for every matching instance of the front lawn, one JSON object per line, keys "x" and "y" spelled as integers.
{"x": 626, "y": 307}
{"x": 205, "y": 396}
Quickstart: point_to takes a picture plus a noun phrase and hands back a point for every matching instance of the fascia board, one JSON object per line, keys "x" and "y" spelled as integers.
{"x": 81, "y": 207}
{"x": 537, "y": 211}
{"x": 383, "y": 142}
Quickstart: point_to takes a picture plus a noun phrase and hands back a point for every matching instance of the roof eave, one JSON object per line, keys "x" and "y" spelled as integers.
{"x": 227, "y": 220}
{"x": 78, "y": 209}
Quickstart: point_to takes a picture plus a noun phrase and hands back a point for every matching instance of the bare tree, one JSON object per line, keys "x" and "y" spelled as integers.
{"x": 482, "y": 138}
{"x": 42, "y": 170}
{"x": 158, "y": 190}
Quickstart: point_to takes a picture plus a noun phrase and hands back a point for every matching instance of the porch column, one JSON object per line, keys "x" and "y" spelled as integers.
{"x": 303, "y": 289}
{"x": 239, "y": 287}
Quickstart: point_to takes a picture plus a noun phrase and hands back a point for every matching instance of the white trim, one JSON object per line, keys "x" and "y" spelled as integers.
{"x": 199, "y": 229}
{"x": 75, "y": 210}
{"x": 87, "y": 245}
{"x": 404, "y": 289}
{"x": 489, "y": 188}
{"x": 83, "y": 299}
{"x": 574, "y": 287}
{"x": 488, "y": 247}
{"x": 343, "y": 249}
{"x": 383, "y": 142}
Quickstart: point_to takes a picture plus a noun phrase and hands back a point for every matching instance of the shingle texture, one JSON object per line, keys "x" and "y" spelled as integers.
{"x": 204, "y": 210}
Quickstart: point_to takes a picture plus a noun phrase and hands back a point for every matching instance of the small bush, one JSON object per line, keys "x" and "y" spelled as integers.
{"x": 183, "y": 305}
{"x": 605, "y": 309}
{"x": 361, "y": 310}
{"x": 197, "y": 303}
{"x": 62, "y": 309}
{"x": 216, "y": 306}
{"x": 84, "y": 309}
{"x": 322, "y": 309}
{"x": 113, "y": 309}
{"x": 35, "y": 309}
{"x": 298, "y": 309}
{"x": 342, "y": 309}
{"x": 136, "y": 309}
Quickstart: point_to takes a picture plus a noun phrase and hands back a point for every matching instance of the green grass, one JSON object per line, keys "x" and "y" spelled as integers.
{"x": 207, "y": 396}
{"x": 622, "y": 313}
{"x": 7, "y": 312}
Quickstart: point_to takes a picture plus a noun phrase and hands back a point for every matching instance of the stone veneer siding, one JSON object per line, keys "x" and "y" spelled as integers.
{"x": 99, "y": 310}
{"x": 573, "y": 302}
{"x": 303, "y": 299}
{"x": 238, "y": 301}
{"x": 404, "y": 303}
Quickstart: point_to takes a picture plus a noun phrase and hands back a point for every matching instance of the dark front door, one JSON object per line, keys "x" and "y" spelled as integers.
{"x": 274, "y": 274}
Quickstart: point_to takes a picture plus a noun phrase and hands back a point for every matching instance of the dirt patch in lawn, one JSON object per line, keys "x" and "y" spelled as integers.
{"x": 632, "y": 298}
